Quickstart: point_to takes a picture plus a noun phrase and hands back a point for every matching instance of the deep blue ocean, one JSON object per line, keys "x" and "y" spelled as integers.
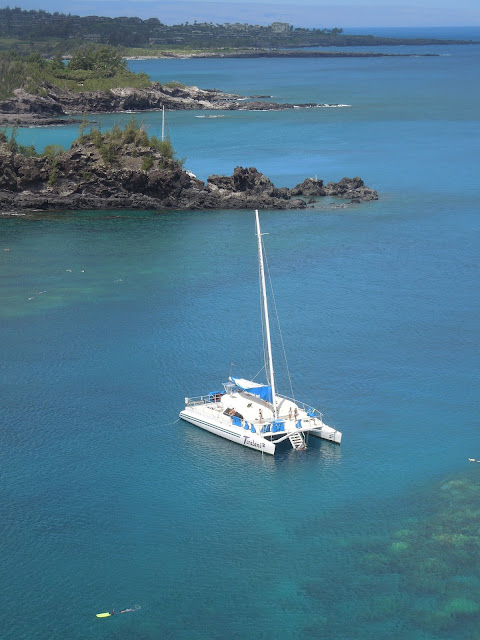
{"x": 109, "y": 319}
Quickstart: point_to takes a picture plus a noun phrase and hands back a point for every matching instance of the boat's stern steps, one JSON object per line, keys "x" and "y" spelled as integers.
{"x": 297, "y": 440}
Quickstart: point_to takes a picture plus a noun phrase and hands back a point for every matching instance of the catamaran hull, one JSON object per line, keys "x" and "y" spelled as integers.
{"x": 327, "y": 433}
{"x": 246, "y": 439}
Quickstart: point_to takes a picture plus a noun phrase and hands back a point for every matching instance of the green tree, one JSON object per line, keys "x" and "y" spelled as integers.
{"x": 53, "y": 150}
{"x": 103, "y": 60}
{"x": 36, "y": 58}
{"x": 56, "y": 63}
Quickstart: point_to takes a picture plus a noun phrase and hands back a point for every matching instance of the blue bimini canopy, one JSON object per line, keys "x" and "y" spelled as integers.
{"x": 262, "y": 391}
{"x": 278, "y": 425}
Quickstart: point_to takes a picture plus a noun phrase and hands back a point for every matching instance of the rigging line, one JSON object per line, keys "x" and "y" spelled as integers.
{"x": 279, "y": 327}
{"x": 258, "y": 373}
{"x": 262, "y": 321}
{"x": 166, "y": 424}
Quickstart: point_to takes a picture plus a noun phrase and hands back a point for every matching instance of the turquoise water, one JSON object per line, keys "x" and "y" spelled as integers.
{"x": 107, "y": 502}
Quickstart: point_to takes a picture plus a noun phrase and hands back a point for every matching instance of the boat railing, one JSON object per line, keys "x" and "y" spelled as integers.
{"x": 211, "y": 397}
{"x": 309, "y": 410}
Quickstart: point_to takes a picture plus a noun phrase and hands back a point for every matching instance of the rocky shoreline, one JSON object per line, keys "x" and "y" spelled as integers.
{"x": 80, "y": 178}
{"x": 283, "y": 53}
{"x": 56, "y": 104}
{"x": 295, "y": 53}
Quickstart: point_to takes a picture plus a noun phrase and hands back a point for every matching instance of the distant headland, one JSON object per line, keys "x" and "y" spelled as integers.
{"x": 52, "y": 33}
{"x": 52, "y": 105}
{"x": 294, "y": 53}
{"x": 36, "y": 91}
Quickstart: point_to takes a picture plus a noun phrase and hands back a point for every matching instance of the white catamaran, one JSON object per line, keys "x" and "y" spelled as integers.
{"x": 255, "y": 415}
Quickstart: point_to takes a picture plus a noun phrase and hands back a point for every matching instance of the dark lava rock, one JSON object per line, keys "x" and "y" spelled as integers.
{"x": 244, "y": 180}
{"x": 309, "y": 187}
{"x": 27, "y": 108}
{"x": 353, "y": 188}
{"x": 81, "y": 178}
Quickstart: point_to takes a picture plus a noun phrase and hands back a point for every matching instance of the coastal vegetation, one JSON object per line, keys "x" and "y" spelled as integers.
{"x": 52, "y": 33}
{"x": 111, "y": 143}
{"x": 91, "y": 68}
{"x": 53, "y": 28}
{"x": 114, "y": 142}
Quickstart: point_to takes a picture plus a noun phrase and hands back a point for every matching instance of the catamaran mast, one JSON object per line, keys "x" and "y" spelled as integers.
{"x": 163, "y": 122}
{"x": 265, "y": 314}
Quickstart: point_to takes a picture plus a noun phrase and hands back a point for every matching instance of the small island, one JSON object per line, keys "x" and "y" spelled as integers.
{"x": 124, "y": 168}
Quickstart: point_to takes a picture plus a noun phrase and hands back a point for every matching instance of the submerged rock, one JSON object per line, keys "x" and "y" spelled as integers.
{"x": 461, "y": 607}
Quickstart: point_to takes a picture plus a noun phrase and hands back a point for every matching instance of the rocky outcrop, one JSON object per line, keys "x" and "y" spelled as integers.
{"x": 353, "y": 189}
{"x": 309, "y": 187}
{"x": 139, "y": 178}
{"x": 247, "y": 187}
{"x": 26, "y": 108}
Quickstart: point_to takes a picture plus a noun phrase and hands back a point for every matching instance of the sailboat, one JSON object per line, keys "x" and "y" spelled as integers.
{"x": 254, "y": 414}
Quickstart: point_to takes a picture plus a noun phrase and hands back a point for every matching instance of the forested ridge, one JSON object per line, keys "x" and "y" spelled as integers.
{"x": 62, "y": 33}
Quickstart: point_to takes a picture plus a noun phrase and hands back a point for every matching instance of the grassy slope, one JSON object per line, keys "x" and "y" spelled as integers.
{"x": 32, "y": 74}
{"x": 111, "y": 143}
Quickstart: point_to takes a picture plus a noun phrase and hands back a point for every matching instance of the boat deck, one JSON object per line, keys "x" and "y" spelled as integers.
{"x": 258, "y": 413}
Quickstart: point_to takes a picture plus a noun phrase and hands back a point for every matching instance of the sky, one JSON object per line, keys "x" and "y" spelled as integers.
{"x": 307, "y": 13}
